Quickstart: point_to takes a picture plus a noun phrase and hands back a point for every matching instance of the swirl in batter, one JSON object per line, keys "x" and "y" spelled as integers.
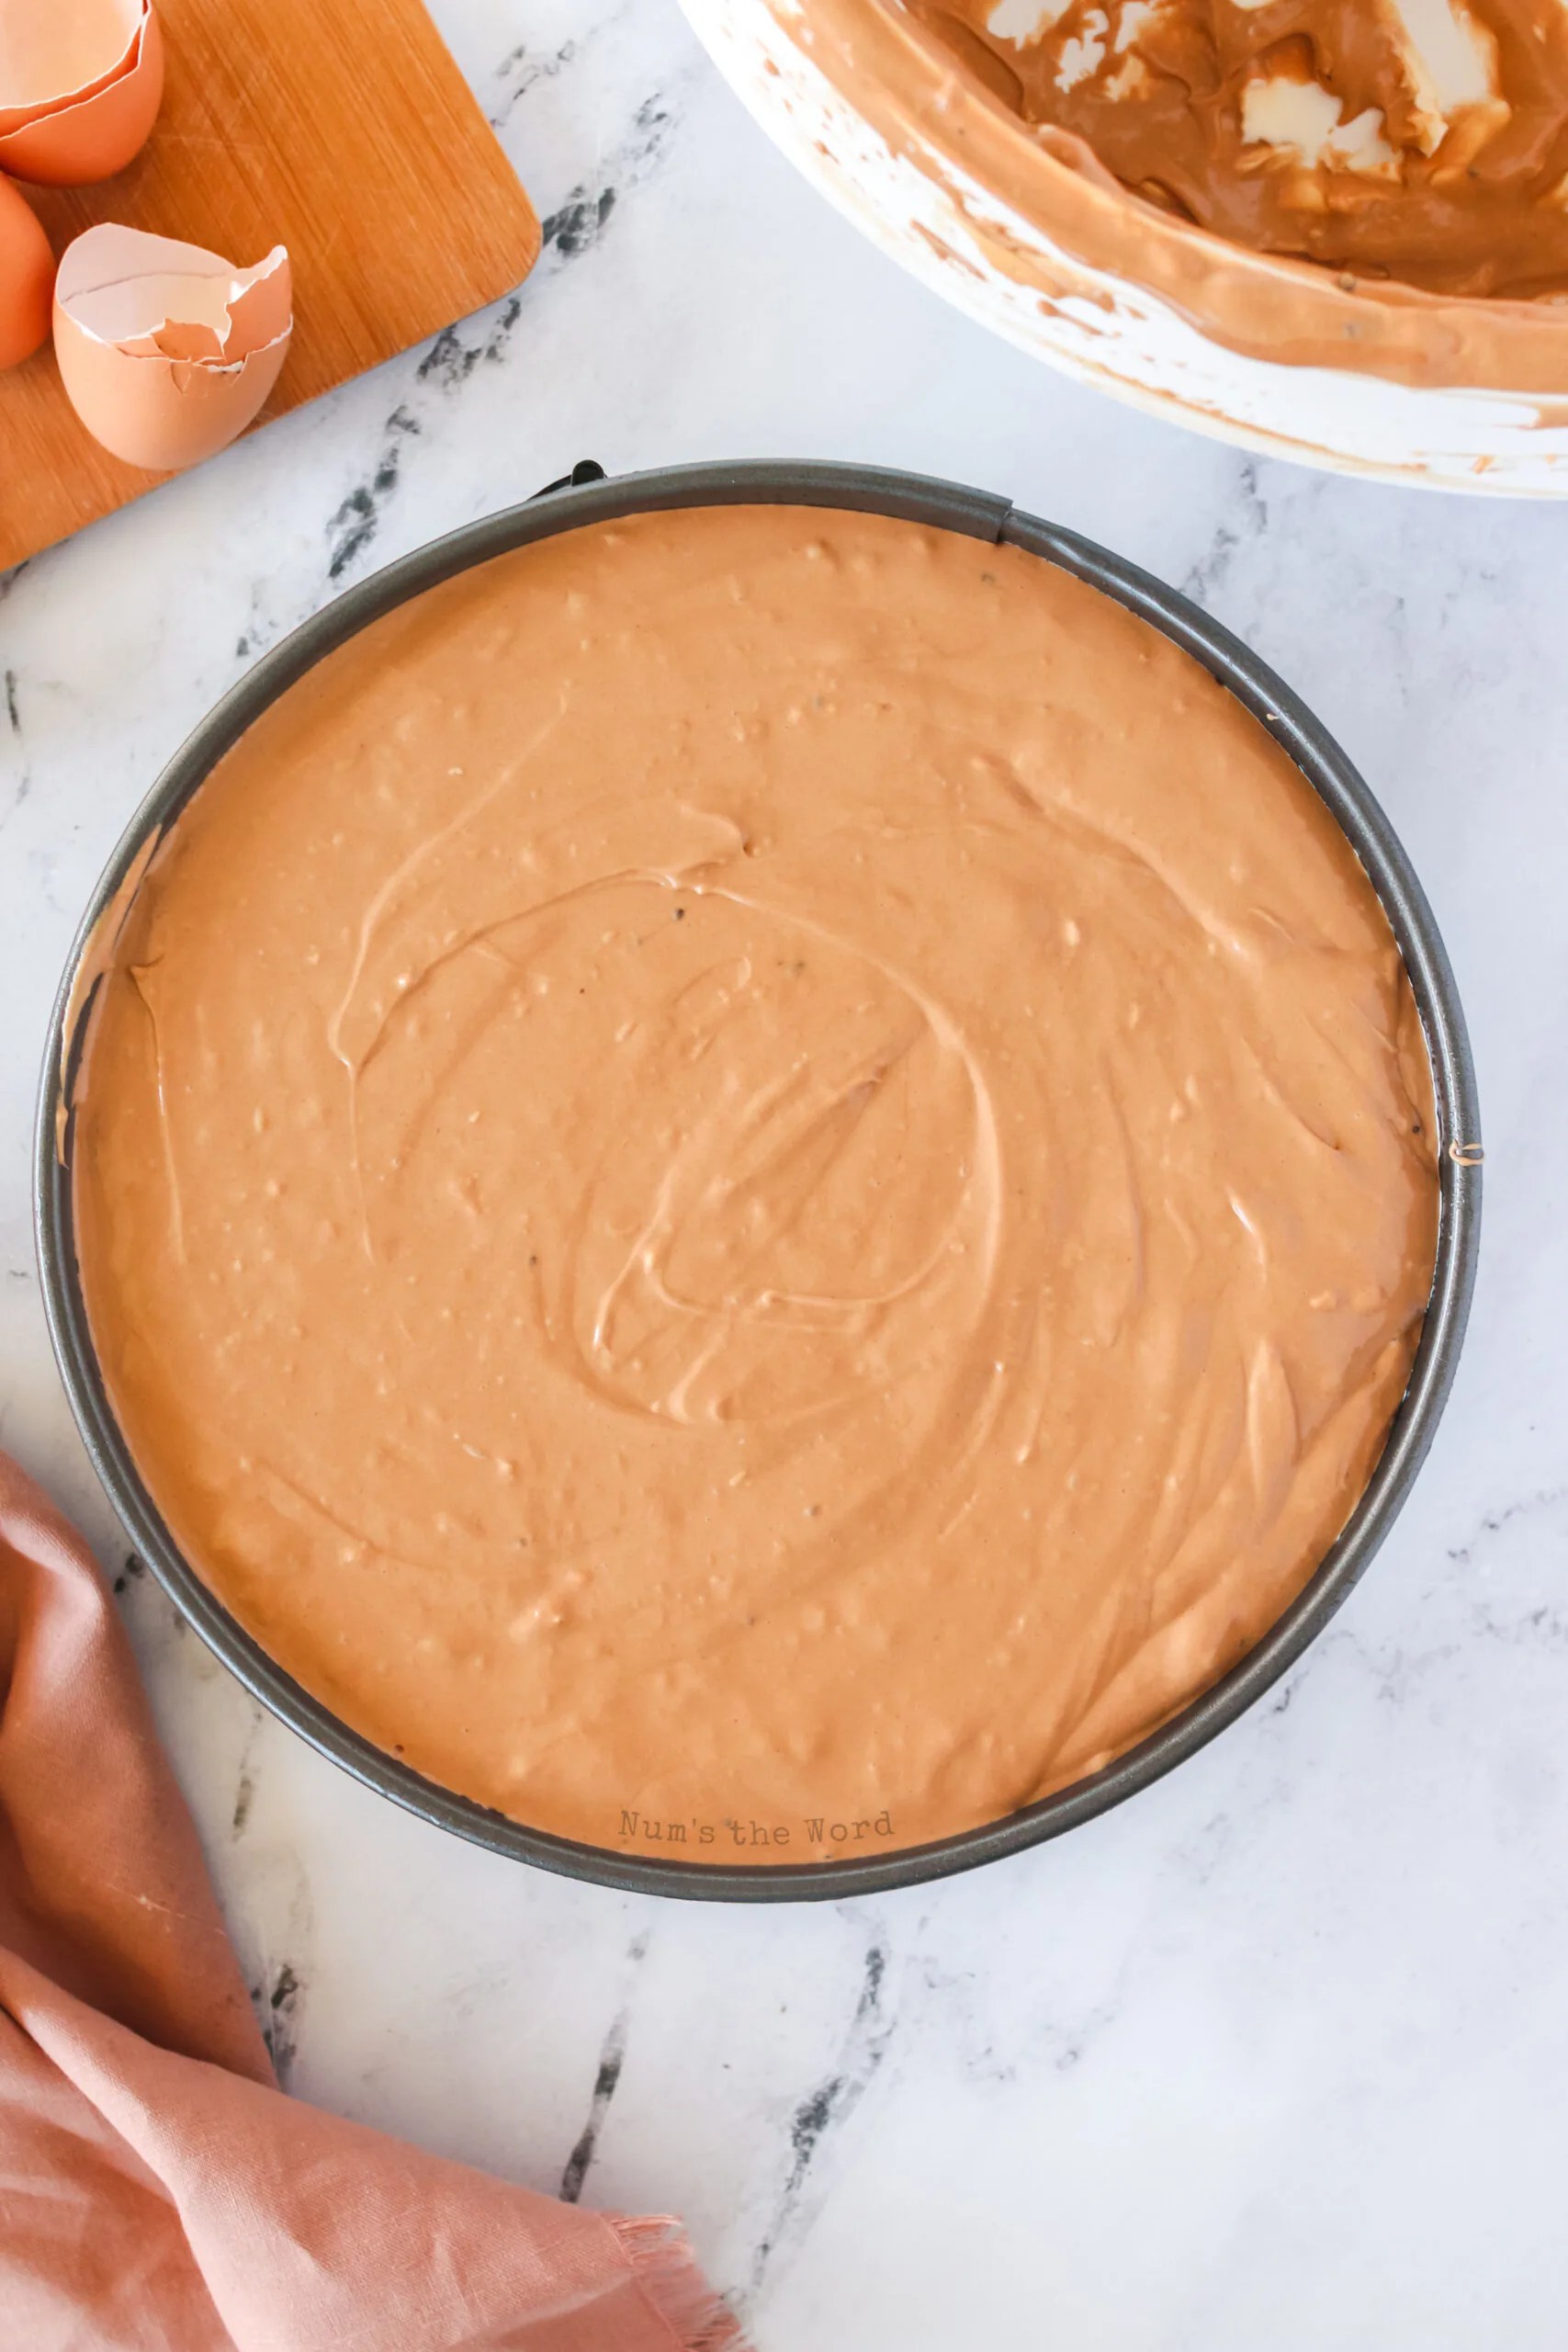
{"x": 756, "y": 1184}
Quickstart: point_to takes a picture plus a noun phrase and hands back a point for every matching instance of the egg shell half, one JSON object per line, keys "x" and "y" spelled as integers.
{"x": 166, "y": 351}
{"x": 27, "y": 275}
{"x": 77, "y": 136}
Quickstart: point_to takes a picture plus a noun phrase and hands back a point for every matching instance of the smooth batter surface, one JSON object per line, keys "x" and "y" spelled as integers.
{"x": 1425, "y": 140}
{"x": 755, "y": 1183}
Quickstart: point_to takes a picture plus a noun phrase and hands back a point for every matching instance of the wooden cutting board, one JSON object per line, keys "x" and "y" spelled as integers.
{"x": 340, "y": 128}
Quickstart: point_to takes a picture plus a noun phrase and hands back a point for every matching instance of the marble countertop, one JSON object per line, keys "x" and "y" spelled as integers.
{"x": 1277, "y": 2053}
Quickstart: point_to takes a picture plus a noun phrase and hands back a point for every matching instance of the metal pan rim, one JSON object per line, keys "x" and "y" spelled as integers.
{"x": 946, "y": 505}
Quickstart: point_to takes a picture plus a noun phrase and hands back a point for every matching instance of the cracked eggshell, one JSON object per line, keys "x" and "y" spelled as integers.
{"x": 81, "y": 82}
{"x": 166, "y": 351}
{"x": 27, "y": 274}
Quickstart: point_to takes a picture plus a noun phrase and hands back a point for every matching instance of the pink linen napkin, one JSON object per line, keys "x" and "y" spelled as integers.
{"x": 158, "y": 2192}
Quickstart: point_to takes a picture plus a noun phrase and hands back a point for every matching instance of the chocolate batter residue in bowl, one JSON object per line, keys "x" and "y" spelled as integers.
{"x": 1412, "y": 140}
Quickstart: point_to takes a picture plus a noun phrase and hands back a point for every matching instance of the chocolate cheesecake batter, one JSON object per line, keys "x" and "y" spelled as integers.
{"x": 1424, "y": 141}
{"x": 756, "y": 1184}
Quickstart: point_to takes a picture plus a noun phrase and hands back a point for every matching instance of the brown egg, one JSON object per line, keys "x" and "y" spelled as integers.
{"x": 27, "y": 278}
{"x": 166, "y": 351}
{"x": 81, "y": 82}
